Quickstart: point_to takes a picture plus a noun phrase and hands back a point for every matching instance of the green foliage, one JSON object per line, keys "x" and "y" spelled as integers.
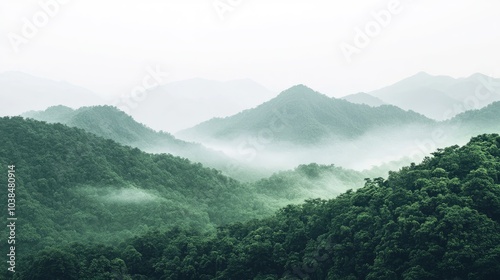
{"x": 74, "y": 186}
{"x": 155, "y": 213}
{"x": 107, "y": 122}
{"x": 111, "y": 123}
{"x": 436, "y": 220}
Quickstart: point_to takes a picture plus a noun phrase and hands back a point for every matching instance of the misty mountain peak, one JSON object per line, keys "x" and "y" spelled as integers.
{"x": 299, "y": 91}
{"x": 422, "y": 74}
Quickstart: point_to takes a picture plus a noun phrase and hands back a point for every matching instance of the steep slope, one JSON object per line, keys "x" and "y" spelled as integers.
{"x": 302, "y": 116}
{"x": 309, "y": 181}
{"x": 111, "y": 123}
{"x": 426, "y": 101}
{"x": 436, "y": 220}
{"x": 364, "y": 98}
{"x": 441, "y": 97}
{"x": 197, "y": 100}
{"x": 21, "y": 92}
{"x": 73, "y": 185}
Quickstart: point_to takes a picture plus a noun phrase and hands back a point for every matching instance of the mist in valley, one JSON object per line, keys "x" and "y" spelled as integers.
{"x": 374, "y": 148}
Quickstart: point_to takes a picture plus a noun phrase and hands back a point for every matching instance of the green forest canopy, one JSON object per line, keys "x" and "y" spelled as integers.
{"x": 435, "y": 220}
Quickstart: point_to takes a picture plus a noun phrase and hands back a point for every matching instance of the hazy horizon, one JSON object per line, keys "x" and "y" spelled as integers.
{"x": 108, "y": 50}
{"x": 107, "y": 98}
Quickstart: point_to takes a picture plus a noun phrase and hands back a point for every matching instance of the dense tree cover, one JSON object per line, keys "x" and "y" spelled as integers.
{"x": 75, "y": 186}
{"x": 111, "y": 123}
{"x": 302, "y": 116}
{"x": 436, "y": 220}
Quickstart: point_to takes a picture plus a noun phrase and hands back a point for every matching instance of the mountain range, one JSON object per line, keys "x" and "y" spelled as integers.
{"x": 22, "y": 92}
{"x": 325, "y": 130}
{"x": 95, "y": 205}
{"x": 199, "y": 100}
{"x": 256, "y": 142}
{"x": 300, "y": 115}
{"x": 196, "y": 99}
{"x": 441, "y": 97}
{"x": 74, "y": 178}
{"x": 77, "y": 186}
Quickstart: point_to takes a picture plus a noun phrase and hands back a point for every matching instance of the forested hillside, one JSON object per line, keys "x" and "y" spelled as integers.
{"x": 436, "y": 220}
{"x": 364, "y": 98}
{"x": 111, "y": 123}
{"x": 21, "y": 92}
{"x": 74, "y": 186}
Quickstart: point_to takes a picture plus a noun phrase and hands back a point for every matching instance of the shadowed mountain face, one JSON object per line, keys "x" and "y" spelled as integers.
{"x": 21, "y": 92}
{"x": 300, "y": 115}
{"x": 441, "y": 97}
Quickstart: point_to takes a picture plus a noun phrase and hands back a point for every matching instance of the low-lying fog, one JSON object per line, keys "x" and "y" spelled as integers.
{"x": 390, "y": 147}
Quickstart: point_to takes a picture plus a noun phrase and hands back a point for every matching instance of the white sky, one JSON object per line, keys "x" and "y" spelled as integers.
{"x": 106, "y": 45}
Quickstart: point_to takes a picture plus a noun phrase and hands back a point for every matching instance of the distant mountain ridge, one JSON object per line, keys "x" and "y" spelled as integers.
{"x": 364, "y": 98}
{"x": 108, "y": 122}
{"x": 441, "y": 97}
{"x": 197, "y": 100}
{"x": 485, "y": 120}
{"x": 21, "y": 92}
{"x": 304, "y": 116}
